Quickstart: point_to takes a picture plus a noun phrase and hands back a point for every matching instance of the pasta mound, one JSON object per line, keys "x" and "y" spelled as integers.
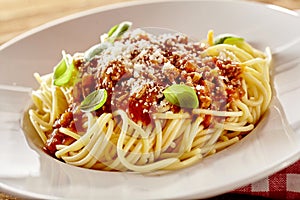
{"x": 169, "y": 102}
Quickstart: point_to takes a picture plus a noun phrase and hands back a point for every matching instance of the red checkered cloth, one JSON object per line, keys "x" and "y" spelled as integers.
{"x": 284, "y": 184}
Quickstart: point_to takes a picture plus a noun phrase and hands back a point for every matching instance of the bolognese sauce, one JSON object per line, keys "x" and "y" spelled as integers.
{"x": 136, "y": 69}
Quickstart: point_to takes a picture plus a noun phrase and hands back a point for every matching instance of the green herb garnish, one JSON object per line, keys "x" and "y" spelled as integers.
{"x": 94, "y": 100}
{"x": 114, "y": 33}
{"x": 117, "y": 31}
{"x": 112, "y": 30}
{"x": 225, "y": 38}
{"x": 234, "y": 40}
{"x": 63, "y": 70}
{"x": 181, "y": 95}
{"x": 94, "y": 50}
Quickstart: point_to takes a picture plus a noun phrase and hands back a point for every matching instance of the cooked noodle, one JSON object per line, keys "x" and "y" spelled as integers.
{"x": 173, "y": 139}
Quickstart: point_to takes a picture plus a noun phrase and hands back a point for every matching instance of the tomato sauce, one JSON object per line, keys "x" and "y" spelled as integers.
{"x": 135, "y": 73}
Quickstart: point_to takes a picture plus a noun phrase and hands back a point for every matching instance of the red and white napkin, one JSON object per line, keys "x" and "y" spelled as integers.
{"x": 284, "y": 184}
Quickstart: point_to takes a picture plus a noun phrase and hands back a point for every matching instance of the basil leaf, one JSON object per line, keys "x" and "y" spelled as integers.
{"x": 240, "y": 43}
{"x": 94, "y": 100}
{"x": 114, "y": 33}
{"x": 234, "y": 40}
{"x": 64, "y": 70}
{"x": 112, "y": 30}
{"x": 181, "y": 95}
{"x": 94, "y": 50}
{"x": 222, "y": 38}
{"x": 60, "y": 69}
{"x": 118, "y": 30}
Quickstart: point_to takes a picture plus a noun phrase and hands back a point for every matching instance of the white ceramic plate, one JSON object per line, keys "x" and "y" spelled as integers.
{"x": 28, "y": 172}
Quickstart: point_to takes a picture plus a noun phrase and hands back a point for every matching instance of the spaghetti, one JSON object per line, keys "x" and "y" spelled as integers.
{"x": 151, "y": 102}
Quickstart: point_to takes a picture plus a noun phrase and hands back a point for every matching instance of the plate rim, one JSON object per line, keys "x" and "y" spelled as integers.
{"x": 76, "y": 15}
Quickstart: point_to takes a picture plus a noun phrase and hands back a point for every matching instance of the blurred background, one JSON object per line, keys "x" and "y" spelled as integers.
{"x": 18, "y": 16}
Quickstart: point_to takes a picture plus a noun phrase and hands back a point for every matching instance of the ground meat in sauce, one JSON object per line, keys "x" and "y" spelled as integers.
{"x": 137, "y": 68}
{"x": 136, "y": 77}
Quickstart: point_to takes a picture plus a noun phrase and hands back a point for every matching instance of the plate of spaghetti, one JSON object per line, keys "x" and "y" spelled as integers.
{"x": 132, "y": 108}
{"x": 143, "y": 102}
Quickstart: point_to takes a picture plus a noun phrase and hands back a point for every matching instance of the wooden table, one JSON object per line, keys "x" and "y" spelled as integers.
{"x": 18, "y": 16}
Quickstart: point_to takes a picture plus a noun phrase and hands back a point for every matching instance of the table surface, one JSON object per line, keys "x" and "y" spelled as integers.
{"x": 18, "y": 16}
